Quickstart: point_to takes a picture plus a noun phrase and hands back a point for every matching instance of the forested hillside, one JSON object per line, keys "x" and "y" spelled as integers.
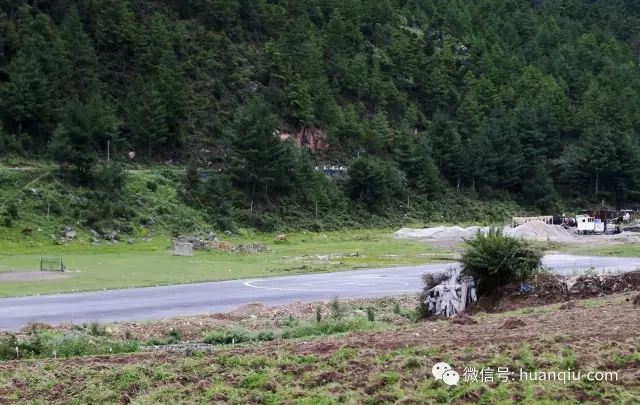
{"x": 530, "y": 101}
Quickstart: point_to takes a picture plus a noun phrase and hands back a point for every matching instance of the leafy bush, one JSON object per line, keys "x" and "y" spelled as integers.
{"x": 26, "y": 349}
{"x": 371, "y": 314}
{"x": 171, "y": 337}
{"x": 494, "y": 260}
{"x": 327, "y": 327}
{"x": 71, "y": 346}
{"x": 228, "y": 336}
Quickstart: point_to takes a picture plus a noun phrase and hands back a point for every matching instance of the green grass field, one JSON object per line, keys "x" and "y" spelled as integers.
{"x": 151, "y": 263}
{"x": 626, "y": 250}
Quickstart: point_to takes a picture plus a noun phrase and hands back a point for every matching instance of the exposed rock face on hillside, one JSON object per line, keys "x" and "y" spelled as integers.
{"x": 313, "y": 138}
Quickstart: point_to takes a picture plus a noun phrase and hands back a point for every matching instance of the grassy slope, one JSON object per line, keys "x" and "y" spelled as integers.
{"x": 373, "y": 368}
{"x": 31, "y": 191}
{"x": 146, "y": 263}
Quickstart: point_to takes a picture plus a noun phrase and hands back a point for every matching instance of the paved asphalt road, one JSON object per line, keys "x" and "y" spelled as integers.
{"x": 193, "y": 299}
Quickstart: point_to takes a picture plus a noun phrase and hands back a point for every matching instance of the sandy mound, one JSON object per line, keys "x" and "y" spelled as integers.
{"x": 440, "y": 232}
{"x": 538, "y": 230}
{"x": 532, "y": 230}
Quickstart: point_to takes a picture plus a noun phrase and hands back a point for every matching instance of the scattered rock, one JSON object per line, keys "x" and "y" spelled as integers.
{"x": 228, "y": 233}
{"x": 111, "y": 236}
{"x": 198, "y": 243}
{"x": 514, "y": 323}
{"x": 463, "y": 319}
{"x": 68, "y": 233}
{"x": 252, "y": 248}
{"x": 131, "y": 241}
{"x": 636, "y": 300}
{"x": 219, "y": 245}
{"x": 108, "y": 330}
{"x": 212, "y": 236}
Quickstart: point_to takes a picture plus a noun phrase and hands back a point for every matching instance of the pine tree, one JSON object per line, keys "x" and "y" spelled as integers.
{"x": 80, "y": 61}
{"x": 258, "y": 158}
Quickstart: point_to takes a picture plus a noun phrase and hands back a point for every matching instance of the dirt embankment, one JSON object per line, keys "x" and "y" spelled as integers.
{"x": 549, "y": 289}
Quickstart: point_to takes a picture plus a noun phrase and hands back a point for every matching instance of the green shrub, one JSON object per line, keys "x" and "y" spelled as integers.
{"x": 12, "y": 211}
{"x": 337, "y": 309}
{"x": 228, "y": 336}
{"x": 371, "y": 314}
{"x": 71, "y": 346}
{"x": 172, "y": 337}
{"x": 43, "y": 345}
{"x": 326, "y": 327}
{"x": 322, "y": 328}
{"x": 494, "y": 260}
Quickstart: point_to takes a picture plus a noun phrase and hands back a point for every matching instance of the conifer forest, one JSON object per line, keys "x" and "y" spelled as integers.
{"x": 426, "y": 102}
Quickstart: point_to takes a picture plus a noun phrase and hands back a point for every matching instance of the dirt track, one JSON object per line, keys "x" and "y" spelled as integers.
{"x": 31, "y": 276}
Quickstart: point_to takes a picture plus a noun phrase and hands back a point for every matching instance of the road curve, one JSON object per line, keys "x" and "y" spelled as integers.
{"x": 192, "y": 299}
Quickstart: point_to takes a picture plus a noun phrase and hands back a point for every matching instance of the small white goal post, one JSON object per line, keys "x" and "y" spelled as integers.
{"x": 182, "y": 249}
{"x": 51, "y": 263}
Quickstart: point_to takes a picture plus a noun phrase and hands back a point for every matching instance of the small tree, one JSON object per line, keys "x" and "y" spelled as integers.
{"x": 495, "y": 260}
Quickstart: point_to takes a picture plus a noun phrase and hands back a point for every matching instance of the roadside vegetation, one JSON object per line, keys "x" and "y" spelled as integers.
{"x": 38, "y": 341}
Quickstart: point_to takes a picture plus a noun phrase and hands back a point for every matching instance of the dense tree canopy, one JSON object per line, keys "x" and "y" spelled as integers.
{"x": 535, "y": 101}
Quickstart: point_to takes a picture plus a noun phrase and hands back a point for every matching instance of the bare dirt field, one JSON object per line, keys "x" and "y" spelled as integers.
{"x": 31, "y": 275}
